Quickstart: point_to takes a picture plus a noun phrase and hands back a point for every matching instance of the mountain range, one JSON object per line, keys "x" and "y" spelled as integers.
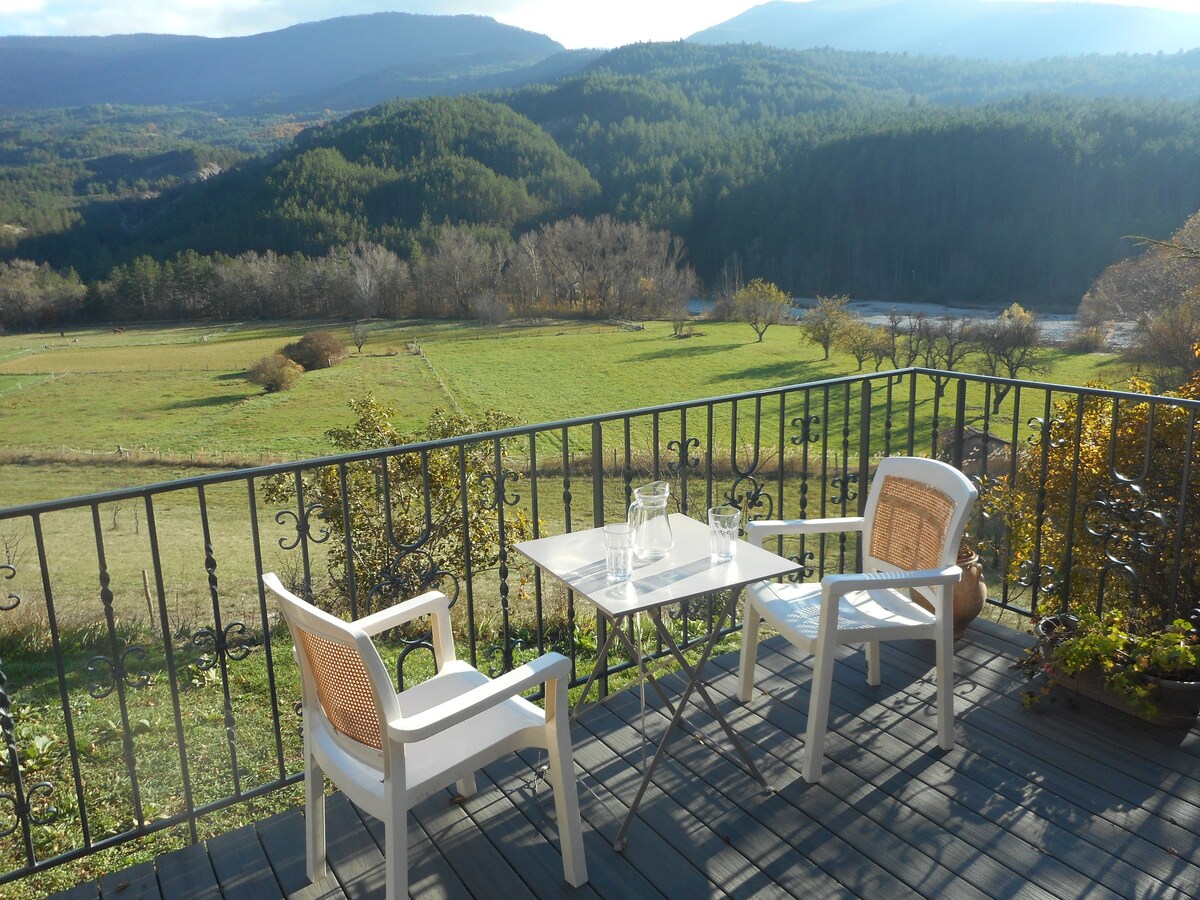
{"x": 354, "y": 62}
{"x": 982, "y": 29}
{"x": 344, "y": 63}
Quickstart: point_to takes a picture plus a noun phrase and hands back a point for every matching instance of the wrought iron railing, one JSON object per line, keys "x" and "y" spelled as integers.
{"x": 144, "y": 678}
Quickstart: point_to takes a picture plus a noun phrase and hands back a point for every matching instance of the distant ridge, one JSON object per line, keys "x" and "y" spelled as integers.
{"x": 967, "y": 28}
{"x": 352, "y": 59}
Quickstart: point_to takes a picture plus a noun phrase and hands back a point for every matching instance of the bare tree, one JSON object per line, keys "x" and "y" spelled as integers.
{"x": 904, "y": 346}
{"x": 359, "y": 334}
{"x": 458, "y": 268}
{"x": 943, "y": 344}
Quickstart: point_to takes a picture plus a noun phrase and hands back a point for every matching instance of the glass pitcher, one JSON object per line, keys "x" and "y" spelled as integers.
{"x": 651, "y": 525}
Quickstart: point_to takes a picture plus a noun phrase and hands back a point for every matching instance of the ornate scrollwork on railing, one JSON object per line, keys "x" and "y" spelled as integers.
{"x": 749, "y": 495}
{"x": 844, "y": 489}
{"x": 1127, "y": 529}
{"x": 1042, "y": 579}
{"x": 685, "y": 461}
{"x": 1046, "y": 430}
{"x": 222, "y": 645}
{"x": 492, "y": 499}
{"x": 20, "y": 799}
{"x": 9, "y": 601}
{"x": 102, "y": 667}
{"x": 411, "y": 572}
{"x": 808, "y": 433}
{"x": 24, "y": 809}
{"x": 803, "y": 559}
{"x": 504, "y": 653}
{"x": 303, "y": 525}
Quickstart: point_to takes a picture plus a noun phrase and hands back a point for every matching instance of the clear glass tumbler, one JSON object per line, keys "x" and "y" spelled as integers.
{"x": 618, "y": 551}
{"x": 723, "y": 524}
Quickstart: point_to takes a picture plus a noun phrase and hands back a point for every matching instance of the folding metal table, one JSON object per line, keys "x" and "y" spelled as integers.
{"x": 685, "y": 573}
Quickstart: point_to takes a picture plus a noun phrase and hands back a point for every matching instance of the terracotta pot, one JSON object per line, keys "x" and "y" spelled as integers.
{"x": 969, "y": 594}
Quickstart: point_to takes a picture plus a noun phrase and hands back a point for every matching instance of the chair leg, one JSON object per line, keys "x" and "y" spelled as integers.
{"x": 818, "y": 715}
{"x": 561, "y": 760}
{"x": 395, "y": 830}
{"x": 872, "y": 651}
{"x": 750, "y": 624}
{"x": 466, "y": 786}
{"x": 314, "y": 816}
{"x": 944, "y": 651}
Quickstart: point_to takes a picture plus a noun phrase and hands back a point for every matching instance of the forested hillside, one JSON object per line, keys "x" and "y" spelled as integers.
{"x": 901, "y": 178}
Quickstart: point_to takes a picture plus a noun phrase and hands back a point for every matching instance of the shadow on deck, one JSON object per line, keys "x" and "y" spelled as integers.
{"x": 1067, "y": 800}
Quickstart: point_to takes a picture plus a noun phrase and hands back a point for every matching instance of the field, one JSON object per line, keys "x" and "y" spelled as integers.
{"x": 94, "y": 410}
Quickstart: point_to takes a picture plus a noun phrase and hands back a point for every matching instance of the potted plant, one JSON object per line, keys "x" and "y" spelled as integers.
{"x": 1136, "y": 664}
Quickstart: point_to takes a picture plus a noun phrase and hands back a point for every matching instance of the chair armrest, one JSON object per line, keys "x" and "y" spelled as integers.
{"x": 837, "y": 585}
{"x": 545, "y": 668}
{"x": 429, "y": 603}
{"x": 762, "y": 528}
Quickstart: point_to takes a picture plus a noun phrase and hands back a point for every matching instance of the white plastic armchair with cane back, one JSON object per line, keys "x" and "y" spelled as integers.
{"x": 388, "y": 751}
{"x": 910, "y": 532}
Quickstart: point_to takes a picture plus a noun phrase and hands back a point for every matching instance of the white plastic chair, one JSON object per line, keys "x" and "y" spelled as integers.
{"x": 388, "y": 751}
{"x": 911, "y": 528}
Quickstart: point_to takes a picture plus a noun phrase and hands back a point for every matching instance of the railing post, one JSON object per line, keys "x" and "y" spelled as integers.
{"x": 597, "y": 475}
{"x": 598, "y": 520}
{"x": 960, "y": 425}
{"x": 864, "y": 458}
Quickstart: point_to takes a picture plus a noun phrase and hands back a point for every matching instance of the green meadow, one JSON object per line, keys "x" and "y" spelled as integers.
{"x": 95, "y": 410}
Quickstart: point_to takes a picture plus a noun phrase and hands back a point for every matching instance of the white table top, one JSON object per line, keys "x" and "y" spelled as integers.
{"x": 577, "y": 559}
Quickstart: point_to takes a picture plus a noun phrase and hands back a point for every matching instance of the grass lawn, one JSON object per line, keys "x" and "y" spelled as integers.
{"x": 178, "y": 393}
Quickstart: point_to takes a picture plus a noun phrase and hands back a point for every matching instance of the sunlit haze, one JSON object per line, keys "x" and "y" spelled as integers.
{"x": 573, "y": 23}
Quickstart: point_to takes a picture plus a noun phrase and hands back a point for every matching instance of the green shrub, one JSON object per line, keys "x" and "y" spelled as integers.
{"x": 274, "y": 373}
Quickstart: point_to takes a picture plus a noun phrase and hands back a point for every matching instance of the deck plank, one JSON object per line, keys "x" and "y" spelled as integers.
{"x": 283, "y": 841}
{"x": 187, "y": 874}
{"x": 242, "y": 867}
{"x": 1062, "y": 801}
{"x": 136, "y": 883}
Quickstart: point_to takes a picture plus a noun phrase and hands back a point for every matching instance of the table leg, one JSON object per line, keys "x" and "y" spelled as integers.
{"x": 601, "y": 657}
{"x": 695, "y": 679}
{"x": 693, "y": 684}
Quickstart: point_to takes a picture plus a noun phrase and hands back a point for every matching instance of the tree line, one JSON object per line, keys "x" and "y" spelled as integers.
{"x": 594, "y": 268}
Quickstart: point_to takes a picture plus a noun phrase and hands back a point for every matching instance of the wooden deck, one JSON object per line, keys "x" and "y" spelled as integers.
{"x": 1070, "y": 800}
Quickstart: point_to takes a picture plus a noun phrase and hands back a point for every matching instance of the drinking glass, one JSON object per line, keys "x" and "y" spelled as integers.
{"x": 618, "y": 551}
{"x": 723, "y": 522}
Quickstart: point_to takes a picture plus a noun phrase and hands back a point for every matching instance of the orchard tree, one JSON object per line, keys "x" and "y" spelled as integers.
{"x": 863, "y": 342}
{"x": 761, "y": 304}
{"x": 1008, "y": 345}
{"x": 823, "y": 322}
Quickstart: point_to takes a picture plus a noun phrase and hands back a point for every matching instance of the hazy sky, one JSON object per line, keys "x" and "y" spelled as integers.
{"x": 573, "y": 23}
